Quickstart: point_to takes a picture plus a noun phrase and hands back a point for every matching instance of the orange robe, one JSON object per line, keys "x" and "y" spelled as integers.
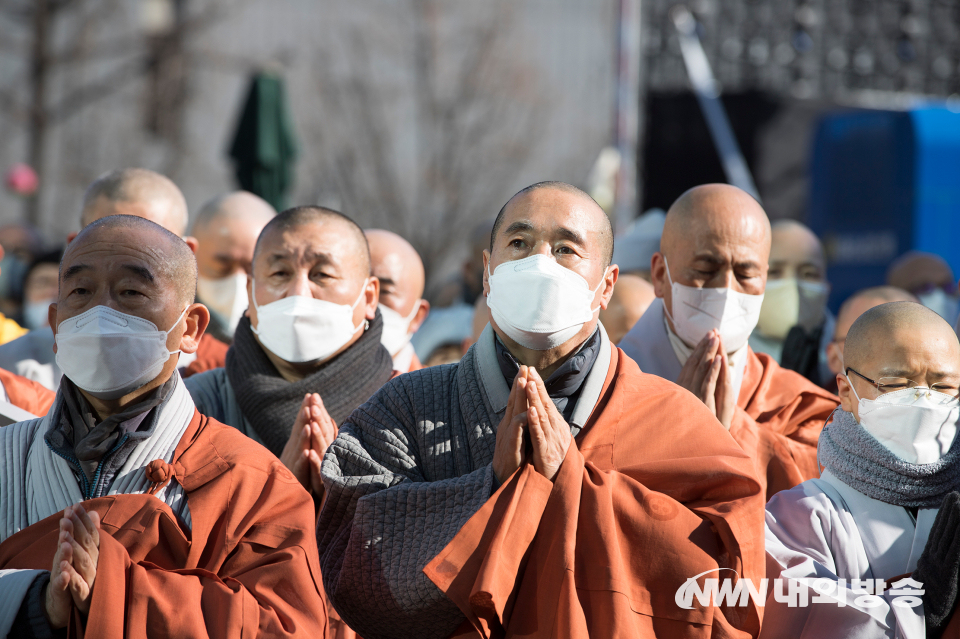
{"x": 778, "y": 421}
{"x": 211, "y": 354}
{"x": 27, "y": 394}
{"x": 654, "y": 492}
{"x": 247, "y": 567}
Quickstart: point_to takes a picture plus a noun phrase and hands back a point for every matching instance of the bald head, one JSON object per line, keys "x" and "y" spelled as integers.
{"x": 632, "y": 295}
{"x": 601, "y": 229}
{"x": 399, "y": 268}
{"x": 353, "y": 241}
{"x": 852, "y": 308}
{"x": 137, "y": 192}
{"x": 169, "y": 256}
{"x": 795, "y": 252}
{"x": 226, "y": 229}
{"x": 920, "y": 272}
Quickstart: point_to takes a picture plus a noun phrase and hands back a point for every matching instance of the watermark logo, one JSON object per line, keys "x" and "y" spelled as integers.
{"x": 796, "y": 592}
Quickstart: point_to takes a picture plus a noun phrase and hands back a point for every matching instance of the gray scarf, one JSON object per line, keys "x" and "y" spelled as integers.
{"x": 857, "y": 459}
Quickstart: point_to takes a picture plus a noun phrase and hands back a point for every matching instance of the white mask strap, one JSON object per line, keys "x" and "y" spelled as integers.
{"x": 849, "y": 381}
{"x": 176, "y": 324}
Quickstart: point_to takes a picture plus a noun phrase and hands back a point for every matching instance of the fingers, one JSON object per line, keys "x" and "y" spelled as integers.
{"x": 316, "y": 480}
{"x": 708, "y": 386}
{"x": 301, "y": 469}
{"x": 79, "y": 529}
{"x": 91, "y": 523}
{"x": 83, "y": 562}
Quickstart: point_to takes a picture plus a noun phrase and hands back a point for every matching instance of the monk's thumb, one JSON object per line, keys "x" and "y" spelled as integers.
{"x": 94, "y": 518}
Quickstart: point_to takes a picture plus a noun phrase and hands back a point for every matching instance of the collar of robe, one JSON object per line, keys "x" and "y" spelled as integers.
{"x": 271, "y": 403}
{"x": 563, "y": 386}
{"x": 857, "y": 459}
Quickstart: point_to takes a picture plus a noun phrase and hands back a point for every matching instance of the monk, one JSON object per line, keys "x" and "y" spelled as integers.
{"x": 309, "y": 350}
{"x": 226, "y": 229}
{"x": 398, "y": 267}
{"x": 930, "y": 278}
{"x": 794, "y": 325}
{"x": 852, "y": 308}
{"x": 132, "y": 191}
{"x": 709, "y": 277}
{"x": 543, "y": 486}
{"x": 124, "y": 512}
{"x": 632, "y": 296}
{"x": 887, "y": 505}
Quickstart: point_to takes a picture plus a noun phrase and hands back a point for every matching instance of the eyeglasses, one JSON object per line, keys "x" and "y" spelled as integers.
{"x": 891, "y": 384}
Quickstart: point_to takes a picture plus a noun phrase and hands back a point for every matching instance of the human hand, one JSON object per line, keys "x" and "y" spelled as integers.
{"x": 509, "y": 453}
{"x": 312, "y": 433}
{"x": 57, "y": 600}
{"x": 705, "y": 375}
{"x": 81, "y": 530}
{"x": 549, "y": 432}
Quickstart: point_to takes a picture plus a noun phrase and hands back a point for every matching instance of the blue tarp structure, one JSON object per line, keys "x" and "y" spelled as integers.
{"x": 883, "y": 183}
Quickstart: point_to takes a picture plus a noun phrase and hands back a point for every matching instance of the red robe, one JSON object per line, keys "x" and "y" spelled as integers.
{"x": 27, "y": 394}
{"x": 247, "y": 567}
{"x": 211, "y": 354}
{"x": 654, "y": 492}
{"x": 778, "y": 421}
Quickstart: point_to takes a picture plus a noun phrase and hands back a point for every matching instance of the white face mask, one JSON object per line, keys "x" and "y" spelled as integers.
{"x": 35, "y": 313}
{"x": 538, "y": 303}
{"x": 790, "y": 302}
{"x": 915, "y": 424}
{"x": 697, "y": 311}
{"x": 110, "y": 354}
{"x": 941, "y": 303}
{"x": 302, "y": 329}
{"x": 227, "y": 296}
{"x": 396, "y": 328}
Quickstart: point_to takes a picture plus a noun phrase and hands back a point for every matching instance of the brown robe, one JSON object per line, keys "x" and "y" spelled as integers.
{"x": 212, "y": 353}
{"x": 27, "y": 394}
{"x": 247, "y": 567}
{"x": 653, "y": 493}
{"x": 778, "y": 421}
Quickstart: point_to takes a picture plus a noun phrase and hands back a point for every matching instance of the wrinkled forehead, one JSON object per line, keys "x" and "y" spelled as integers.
{"x": 551, "y": 213}
{"x": 323, "y": 240}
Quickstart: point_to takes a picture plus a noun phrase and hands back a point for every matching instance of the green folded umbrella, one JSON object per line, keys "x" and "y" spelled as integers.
{"x": 263, "y": 148}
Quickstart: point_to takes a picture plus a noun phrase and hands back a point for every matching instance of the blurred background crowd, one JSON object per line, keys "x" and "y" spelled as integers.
{"x": 422, "y": 117}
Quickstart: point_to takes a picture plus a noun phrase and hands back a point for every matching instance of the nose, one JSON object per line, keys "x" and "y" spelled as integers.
{"x": 730, "y": 279}
{"x": 300, "y": 286}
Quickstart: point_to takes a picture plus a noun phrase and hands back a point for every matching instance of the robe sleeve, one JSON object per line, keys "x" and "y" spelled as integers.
{"x": 807, "y": 538}
{"x": 782, "y": 460}
{"x": 14, "y": 585}
{"x": 267, "y": 586}
{"x": 383, "y": 520}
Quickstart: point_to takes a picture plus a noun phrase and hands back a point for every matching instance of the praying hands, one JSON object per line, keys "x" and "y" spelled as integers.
{"x": 74, "y": 565}
{"x": 313, "y": 432}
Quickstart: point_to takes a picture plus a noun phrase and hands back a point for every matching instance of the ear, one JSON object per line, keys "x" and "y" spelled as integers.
{"x": 420, "y": 317}
{"x": 197, "y": 319}
{"x": 848, "y": 401}
{"x": 251, "y": 311}
{"x": 835, "y": 358}
{"x": 658, "y": 274}
{"x": 609, "y": 281}
{"x": 372, "y": 297}
{"x": 486, "y": 272}
{"x": 192, "y": 243}
{"x": 52, "y": 321}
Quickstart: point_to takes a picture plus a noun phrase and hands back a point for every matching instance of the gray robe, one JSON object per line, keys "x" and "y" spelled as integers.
{"x": 406, "y": 472}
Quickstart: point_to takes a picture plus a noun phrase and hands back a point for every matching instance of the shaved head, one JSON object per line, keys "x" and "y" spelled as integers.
{"x": 399, "y": 268}
{"x": 304, "y": 215}
{"x": 918, "y": 272}
{"x": 852, "y": 308}
{"x": 174, "y": 261}
{"x": 718, "y": 211}
{"x": 604, "y": 229}
{"x": 901, "y": 340}
{"x": 796, "y": 252}
{"x": 226, "y": 229}
{"x": 240, "y": 206}
{"x": 137, "y": 192}
{"x": 632, "y": 295}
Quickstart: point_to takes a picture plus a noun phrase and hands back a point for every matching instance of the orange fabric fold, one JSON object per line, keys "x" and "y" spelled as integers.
{"x": 654, "y": 492}
{"x": 211, "y": 354}
{"x": 27, "y": 394}
{"x": 778, "y": 421}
